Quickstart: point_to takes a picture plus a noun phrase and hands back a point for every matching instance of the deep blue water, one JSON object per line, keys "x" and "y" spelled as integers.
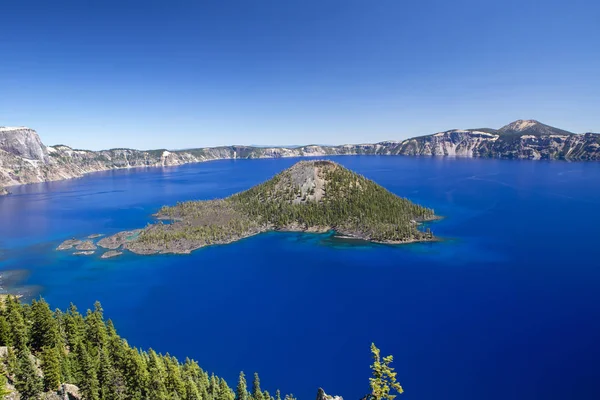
{"x": 507, "y": 307}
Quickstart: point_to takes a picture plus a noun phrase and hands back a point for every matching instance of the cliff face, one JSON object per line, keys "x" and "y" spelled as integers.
{"x": 23, "y": 142}
{"x": 25, "y": 159}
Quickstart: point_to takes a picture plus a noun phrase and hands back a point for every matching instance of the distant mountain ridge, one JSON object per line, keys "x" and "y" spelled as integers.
{"x": 25, "y": 159}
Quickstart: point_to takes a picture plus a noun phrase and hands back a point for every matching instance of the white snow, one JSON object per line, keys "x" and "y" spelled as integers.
{"x": 521, "y": 125}
{"x": 486, "y": 134}
{"x": 12, "y": 128}
{"x": 528, "y": 137}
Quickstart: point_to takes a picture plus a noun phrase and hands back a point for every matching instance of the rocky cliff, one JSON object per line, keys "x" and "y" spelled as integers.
{"x": 25, "y": 159}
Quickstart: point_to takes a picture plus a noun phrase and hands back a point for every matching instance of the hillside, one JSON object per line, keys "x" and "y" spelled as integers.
{"x": 25, "y": 159}
{"x": 56, "y": 355}
{"x": 311, "y": 196}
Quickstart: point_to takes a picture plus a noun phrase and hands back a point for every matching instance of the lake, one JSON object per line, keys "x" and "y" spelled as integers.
{"x": 507, "y": 306}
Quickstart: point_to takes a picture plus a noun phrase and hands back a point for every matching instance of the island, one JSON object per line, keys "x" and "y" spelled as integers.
{"x": 311, "y": 196}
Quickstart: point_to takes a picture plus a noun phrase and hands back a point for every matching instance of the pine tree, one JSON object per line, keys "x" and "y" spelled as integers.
{"x": 88, "y": 378}
{"x": 156, "y": 371}
{"x": 95, "y": 329}
{"x": 74, "y": 327}
{"x": 3, "y": 381}
{"x": 18, "y": 329}
{"x": 256, "y": 391}
{"x": 44, "y": 328}
{"x": 242, "y": 391}
{"x": 277, "y": 394}
{"x": 135, "y": 373}
{"x": 191, "y": 390}
{"x": 5, "y": 335}
{"x": 112, "y": 385}
{"x": 225, "y": 393}
{"x": 51, "y": 368}
{"x": 384, "y": 377}
{"x": 173, "y": 382}
{"x": 11, "y": 362}
{"x": 27, "y": 381}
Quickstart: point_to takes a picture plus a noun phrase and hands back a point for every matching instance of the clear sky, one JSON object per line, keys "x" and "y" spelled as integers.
{"x": 177, "y": 74}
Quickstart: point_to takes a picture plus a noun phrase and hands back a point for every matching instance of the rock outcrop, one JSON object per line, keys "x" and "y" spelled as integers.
{"x": 24, "y": 158}
{"x": 23, "y": 142}
{"x": 111, "y": 254}
{"x": 69, "y": 244}
{"x": 321, "y": 395}
{"x": 66, "y": 391}
{"x": 88, "y": 245}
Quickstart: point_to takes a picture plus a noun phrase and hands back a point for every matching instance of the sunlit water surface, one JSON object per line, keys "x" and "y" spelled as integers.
{"x": 507, "y": 307}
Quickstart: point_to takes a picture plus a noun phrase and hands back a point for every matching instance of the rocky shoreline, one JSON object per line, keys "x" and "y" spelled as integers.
{"x": 22, "y": 150}
{"x": 309, "y": 197}
{"x": 123, "y": 241}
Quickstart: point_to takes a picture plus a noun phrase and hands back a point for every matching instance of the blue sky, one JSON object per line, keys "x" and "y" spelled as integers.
{"x": 177, "y": 74}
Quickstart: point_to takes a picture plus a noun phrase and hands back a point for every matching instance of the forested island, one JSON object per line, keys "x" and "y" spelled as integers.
{"x": 55, "y": 355}
{"x": 311, "y": 196}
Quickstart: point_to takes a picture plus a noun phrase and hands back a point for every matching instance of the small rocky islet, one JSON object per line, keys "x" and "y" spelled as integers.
{"x": 88, "y": 247}
{"x": 111, "y": 254}
{"x": 311, "y": 196}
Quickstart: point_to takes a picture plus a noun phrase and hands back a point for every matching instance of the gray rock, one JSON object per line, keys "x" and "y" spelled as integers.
{"x": 23, "y": 142}
{"x": 83, "y": 253}
{"x": 69, "y": 244}
{"x": 115, "y": 241}
{"x": 95, "y": 236}
{"x": 24, "y": 159}
{"x": 69, "y": 392}
{"x": 321, "y": 395}
{"x": 111, "y": 254}
{"x": 87, "y": 245}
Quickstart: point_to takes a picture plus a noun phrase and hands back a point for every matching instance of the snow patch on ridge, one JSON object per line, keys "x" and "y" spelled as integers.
{"x": 12, "y": 128}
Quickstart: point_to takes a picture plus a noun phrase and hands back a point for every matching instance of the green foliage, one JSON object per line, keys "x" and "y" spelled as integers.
{"x": 14, "y": 315}
{"x": 88, "y": 352}
{"x": 316, "y": 194}
{"x": 44, "y": 328}
{"x": 87, "y": 374}
{"x": 11, "y": 362}
{"x": 50, "y": 363}
{"x": 5, "y": 334}
{"x": 3, "y": 381}
{"x": 241, "y": 392}
{"x": 384, "y": 380}
{"x": 257, "y": 393}
{"x": 27, "y": 381}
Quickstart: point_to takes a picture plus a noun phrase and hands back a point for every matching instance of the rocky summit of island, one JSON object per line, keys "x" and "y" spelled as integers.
{"x": 25, "y": 159}
{"x": 311, "y": 196}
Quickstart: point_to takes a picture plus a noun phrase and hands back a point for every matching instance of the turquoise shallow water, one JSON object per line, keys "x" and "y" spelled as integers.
{"x": 508, "y": 306}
